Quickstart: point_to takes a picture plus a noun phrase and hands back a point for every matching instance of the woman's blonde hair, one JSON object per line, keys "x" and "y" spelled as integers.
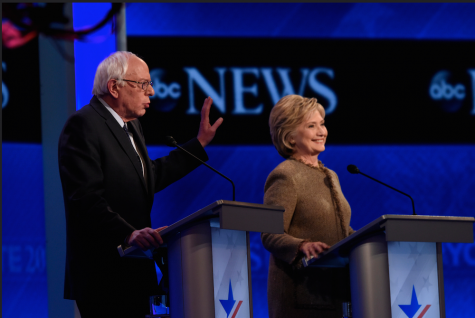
{"x": 289, "y": 112}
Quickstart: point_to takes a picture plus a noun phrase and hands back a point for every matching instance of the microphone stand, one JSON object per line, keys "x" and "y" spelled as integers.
{"x": 172, "y": 143}
{"x": 353, "y": 169}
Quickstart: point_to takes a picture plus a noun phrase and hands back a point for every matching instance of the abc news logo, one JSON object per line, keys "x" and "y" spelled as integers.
{"x": 450, "y": 93}
{"x": 277, "y": 82}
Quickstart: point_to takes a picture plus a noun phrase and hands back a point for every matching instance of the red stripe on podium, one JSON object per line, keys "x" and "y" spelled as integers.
{"x": 424, "y": 311}
{"x": 237, "y": 308}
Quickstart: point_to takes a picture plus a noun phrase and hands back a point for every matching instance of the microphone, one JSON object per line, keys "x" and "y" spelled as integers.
{"x": 354, "y": 170}
{"x": 171, "y": 142}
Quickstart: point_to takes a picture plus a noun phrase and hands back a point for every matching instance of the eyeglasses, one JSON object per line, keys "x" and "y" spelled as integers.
{"x": 144, "y": 84}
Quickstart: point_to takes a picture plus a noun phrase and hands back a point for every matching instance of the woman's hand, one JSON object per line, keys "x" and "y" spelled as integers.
{"x": 312, "y": 249}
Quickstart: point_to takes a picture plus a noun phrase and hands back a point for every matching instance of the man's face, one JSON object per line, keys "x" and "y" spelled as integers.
{"x": 133, "y": 100}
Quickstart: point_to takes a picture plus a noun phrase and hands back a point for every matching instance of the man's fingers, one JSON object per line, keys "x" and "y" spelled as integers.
{"x": 209, "y": 103}
{"x": 217, "y": 124}
{"x": 157, "y": 238}
{"x": 152, "y": 237}
{"x": 141, "y": 243}
{"x": 149, "y": 239}
{"x": 161, "y": 228}
{"x": 146, "y": 238}
{"x": 205, "y": 109}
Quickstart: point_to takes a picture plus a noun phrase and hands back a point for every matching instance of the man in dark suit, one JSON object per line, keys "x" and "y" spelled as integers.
{"x": 109, "y": 183}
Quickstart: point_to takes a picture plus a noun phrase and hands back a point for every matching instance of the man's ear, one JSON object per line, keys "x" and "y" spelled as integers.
{"x": 113, "y": 88}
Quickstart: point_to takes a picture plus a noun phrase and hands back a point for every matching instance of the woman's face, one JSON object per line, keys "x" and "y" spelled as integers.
{"x": 310, "y": 136}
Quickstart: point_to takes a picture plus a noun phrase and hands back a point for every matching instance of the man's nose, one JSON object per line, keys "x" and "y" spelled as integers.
{"x": 150, "y": 91}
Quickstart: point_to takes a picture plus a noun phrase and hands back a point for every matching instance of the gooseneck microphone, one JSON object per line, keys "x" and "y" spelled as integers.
{"x": 171, "y": 142}
{"x": 354, "y": 170}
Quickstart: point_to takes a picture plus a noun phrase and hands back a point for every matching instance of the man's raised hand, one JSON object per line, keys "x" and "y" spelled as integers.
{"x": 207, "y": 132}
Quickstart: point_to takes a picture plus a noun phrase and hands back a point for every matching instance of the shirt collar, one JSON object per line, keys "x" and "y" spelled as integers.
{"x": 116, "y": 116}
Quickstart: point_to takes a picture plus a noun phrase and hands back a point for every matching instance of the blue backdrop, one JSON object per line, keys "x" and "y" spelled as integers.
{"x": 439, "y": 177}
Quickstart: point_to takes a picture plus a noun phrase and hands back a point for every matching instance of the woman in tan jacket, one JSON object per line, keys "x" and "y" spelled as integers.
{"x": 316, "y": 215}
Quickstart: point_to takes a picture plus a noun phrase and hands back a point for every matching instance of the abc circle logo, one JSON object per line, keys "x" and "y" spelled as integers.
{"x": 162, "y": 90}
{"x": 441, "y": 89}
{"x": 166, "y": 95}
{"x": 447, "y": 94}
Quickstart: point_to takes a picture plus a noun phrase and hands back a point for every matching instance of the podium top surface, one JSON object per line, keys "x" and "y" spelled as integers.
{"x": 423, "y": 217}
{"x": 232, "y": 215}
{"x": 405, "y": 228}
{"x": 235, "y": 215}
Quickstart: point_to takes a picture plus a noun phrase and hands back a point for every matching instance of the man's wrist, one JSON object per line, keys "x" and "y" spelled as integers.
{"x": 202, "y": 142}
{"x": 126, "y": 241}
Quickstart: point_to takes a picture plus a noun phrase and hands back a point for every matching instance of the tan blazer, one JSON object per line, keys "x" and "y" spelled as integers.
{"x": 312, "y": 213}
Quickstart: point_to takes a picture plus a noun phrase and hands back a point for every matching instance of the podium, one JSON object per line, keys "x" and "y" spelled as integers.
{"x": 209, "y": 260}
{"x": 396, "y": 264}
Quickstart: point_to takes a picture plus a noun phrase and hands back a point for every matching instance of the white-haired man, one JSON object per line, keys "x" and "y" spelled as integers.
{"x": 109, "y": 183}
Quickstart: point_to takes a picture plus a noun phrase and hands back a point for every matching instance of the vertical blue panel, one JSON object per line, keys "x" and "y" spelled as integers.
{"x": 24, "y": 286}
{"x": 90, "y": 53}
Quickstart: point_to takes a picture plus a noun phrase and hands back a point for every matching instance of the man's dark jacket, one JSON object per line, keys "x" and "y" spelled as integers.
{"x": 106, "y": 198}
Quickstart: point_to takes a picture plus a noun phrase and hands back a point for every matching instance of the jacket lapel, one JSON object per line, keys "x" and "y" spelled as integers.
{"x": 121, "y": 137}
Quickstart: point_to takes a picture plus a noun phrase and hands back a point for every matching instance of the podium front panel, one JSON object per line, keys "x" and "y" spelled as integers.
{"x": 230, "y": 273}
{"x": 209, "y": 272}
{"x": 414, "y": 283}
